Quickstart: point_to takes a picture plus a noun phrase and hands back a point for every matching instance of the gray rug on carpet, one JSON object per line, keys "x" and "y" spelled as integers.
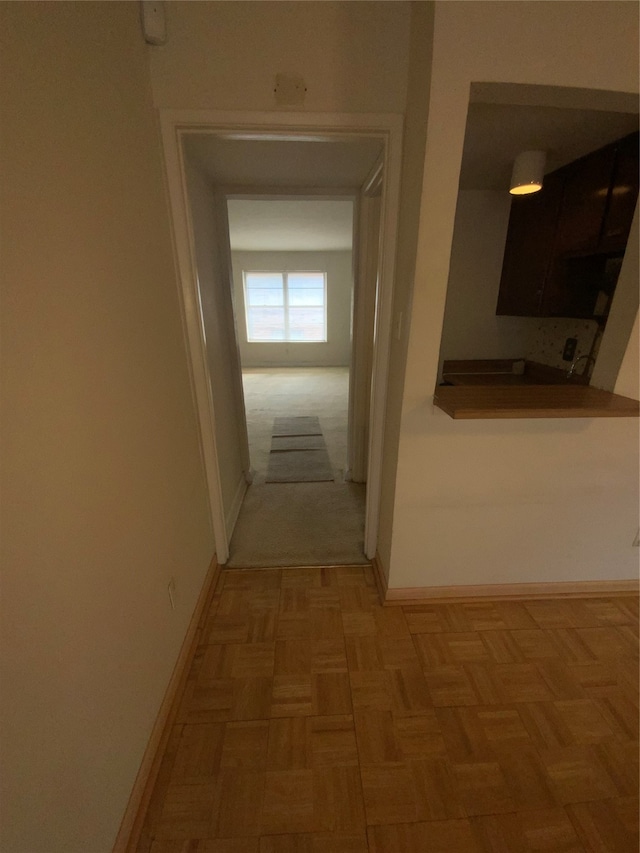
{"x": 299, "y": 466}
{"x": 296, "y": 426}
{"x": 298, "y": 452}
{"x": 297, "y": 442}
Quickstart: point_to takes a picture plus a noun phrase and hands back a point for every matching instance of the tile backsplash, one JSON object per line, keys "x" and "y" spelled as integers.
{"x": 549, "y": 337}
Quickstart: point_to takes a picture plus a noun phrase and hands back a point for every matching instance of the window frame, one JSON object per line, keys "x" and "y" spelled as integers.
{"x": 285, "y": 304}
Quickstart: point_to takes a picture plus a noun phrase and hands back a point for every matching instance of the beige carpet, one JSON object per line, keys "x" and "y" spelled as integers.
{"x": 296, "y": 524}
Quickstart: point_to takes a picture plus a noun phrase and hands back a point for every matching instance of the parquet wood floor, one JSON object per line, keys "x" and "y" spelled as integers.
{"x": 316, "y": 721}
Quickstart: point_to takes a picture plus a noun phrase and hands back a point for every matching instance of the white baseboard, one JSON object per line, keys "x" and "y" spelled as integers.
{"x": 231, "y": 516}
{"x": 511, "y": 591}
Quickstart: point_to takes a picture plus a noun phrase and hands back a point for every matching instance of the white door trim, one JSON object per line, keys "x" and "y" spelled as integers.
{"x": 389, "y": 215}
{"x": 192, "y": 318}
{"x": 224, "y": 244}
{"x": 366, "y": 244}
{"x": 260, "y": 125}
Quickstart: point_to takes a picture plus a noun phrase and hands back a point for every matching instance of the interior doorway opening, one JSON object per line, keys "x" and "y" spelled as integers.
{"x": 293, "y": 283}
{"x": 211, "y": 159}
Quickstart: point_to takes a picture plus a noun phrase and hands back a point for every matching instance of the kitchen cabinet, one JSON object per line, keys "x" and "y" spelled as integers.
{"x": 584, "y": 203}
{"x": 529, "y": 248}
{"x": 564, "y": 242}
{"x": 623, "y": 196}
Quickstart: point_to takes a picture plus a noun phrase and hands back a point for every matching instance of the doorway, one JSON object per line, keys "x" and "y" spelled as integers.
{"x": 292, "y": 265}
{"x": 213, "y": 346}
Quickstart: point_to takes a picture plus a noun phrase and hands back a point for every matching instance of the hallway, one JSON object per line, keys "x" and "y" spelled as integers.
{"x": 298, "y": 524}
{"x": 316, "y": 721}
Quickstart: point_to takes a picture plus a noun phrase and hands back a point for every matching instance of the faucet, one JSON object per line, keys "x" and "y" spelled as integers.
{"x": 574, "y": 364}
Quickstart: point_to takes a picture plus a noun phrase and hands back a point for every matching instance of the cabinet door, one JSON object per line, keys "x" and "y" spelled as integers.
{"x": 624, "y": 196}
{"x": 529, "y": 248}
{"x": 585, "y": 201}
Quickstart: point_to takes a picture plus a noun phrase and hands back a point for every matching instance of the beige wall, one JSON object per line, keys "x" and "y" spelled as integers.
{"x": 471, "y": 328}
{"x": 415, "y": 130}
{"x": 225, "y": 56}
{"x": 507, "y": 501}
{"x": 337, "y": 349}
{"x": 212, "y": 261}
{"x": 103, "y": 489}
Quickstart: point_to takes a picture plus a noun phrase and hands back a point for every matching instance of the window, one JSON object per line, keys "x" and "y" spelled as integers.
{"x": 285, "y": 306}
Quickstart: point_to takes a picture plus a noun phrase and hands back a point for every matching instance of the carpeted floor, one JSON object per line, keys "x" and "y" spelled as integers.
{"x": 298, "y": 524}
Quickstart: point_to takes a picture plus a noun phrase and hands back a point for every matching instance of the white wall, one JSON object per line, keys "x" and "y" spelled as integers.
{"x": 212, "y": 262}
{"x": 102, "y": 484}
{"x": 224, "y": 56}
{"x": 337, "y": 349}
{"x": 507, "y": 501}
{"x": 471, "y": 328}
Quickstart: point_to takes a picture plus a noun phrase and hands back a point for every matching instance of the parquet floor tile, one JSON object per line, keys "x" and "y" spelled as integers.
{"x": 545, "y": 831}
{"x": 431, "y": 837}
{"x": 314, "y": 843}
{"x": 610, "y": 826}
{"x": 313, "y": 720}
{"x": 483, "y": 788}
{"x": 211, "y": 845}
{"x": 576, "y": 775}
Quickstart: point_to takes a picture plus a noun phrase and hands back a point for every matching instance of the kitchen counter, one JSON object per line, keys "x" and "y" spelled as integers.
{"x": 526, "y": 400}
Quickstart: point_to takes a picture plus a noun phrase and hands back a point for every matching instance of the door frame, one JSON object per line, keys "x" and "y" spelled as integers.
{"x": 174, "y": 125}
{"x": 366, "y": 246}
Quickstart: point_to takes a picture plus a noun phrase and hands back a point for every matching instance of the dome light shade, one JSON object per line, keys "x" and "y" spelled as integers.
{"x": 528, "y": 172}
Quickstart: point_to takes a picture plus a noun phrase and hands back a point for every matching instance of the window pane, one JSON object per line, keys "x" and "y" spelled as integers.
{"x": 263, "y": 289}
{"x": 306, "y": 296}
{"x": 255, "y": 280}
{"x": 257, "y": 296}
{"x": 265, "y": 324}
{"x": 303, "y": 280}
{"x": 306, "y": 324}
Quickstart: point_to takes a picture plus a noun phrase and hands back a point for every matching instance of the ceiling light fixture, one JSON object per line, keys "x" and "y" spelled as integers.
{"x": 528, "y": 172}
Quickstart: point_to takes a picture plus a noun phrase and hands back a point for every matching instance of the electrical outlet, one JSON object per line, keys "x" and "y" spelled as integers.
{"x": 289, "y": 89}
{"x": 570, "y": 346}
{"x": 171, "y": 589}
{"x": 636, "y": 541}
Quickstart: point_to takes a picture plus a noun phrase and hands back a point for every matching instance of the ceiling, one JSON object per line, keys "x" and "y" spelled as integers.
{"x": 242, "y": 163}
{"x": 317, "y": 162}
{"x": 291, "y": 225}
{"x": 497, "y": 132}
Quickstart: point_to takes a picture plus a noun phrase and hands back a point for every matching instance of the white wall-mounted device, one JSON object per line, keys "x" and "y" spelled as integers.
{"x": 154, "y": 25}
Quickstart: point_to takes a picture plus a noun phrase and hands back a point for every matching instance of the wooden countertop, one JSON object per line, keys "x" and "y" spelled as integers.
{"x": 532, "y": 401}
{"x": 489, "y": 379}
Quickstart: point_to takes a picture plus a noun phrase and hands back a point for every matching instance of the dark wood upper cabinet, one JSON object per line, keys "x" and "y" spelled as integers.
{"x": 623, "y": 196}
{"x": 563, "y": 242}
{"x": 586, "y": 192}
{"x": 529, "y": 248}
